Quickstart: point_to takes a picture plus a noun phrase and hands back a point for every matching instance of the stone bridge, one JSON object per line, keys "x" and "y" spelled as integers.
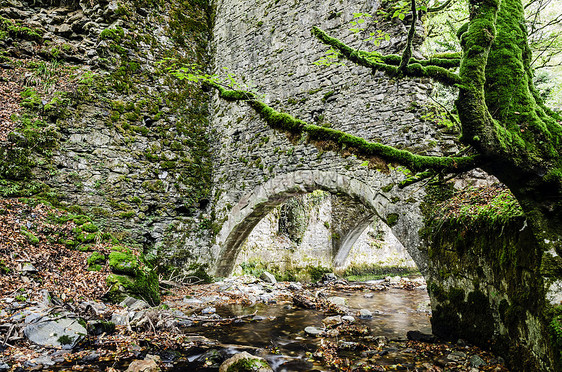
{"x": 268, "y": 46}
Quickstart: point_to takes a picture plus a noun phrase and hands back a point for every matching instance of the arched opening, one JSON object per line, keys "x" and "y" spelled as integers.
{"x": 256, "y": 205}
{"x": 320, "y": 231}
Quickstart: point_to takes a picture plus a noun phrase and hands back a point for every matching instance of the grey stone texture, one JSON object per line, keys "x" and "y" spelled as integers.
{"x": 268, "y": 46}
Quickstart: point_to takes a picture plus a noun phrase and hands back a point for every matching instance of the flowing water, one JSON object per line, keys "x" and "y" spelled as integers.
{"x": 276, "y": 332}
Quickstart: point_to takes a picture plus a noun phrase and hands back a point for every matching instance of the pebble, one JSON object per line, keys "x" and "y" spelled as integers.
{"x": 348, "y": 318}
{"x": 314, "y": 331}
{"x": 365, "y": 314}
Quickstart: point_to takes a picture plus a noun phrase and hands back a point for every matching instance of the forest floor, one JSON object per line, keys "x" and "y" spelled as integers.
{"x": 43, "y": 279}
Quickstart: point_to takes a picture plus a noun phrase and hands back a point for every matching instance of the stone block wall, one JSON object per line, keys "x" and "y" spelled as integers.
{"x": 132, "y": 147}
{"x": 267, "y": 45}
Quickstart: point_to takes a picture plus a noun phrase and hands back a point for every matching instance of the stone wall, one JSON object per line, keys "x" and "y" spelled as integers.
{"x": 274, "y": 246}
{"x": 132, "y": 147}
{"x": 268, "y": 45}
{"x": 485, "y": 288}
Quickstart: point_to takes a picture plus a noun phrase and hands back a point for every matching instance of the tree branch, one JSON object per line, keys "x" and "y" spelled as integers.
{"x": 330, "y": 139}
{"x": 373, "y": 61}
{"x": 439, "y": 8}
{"x": 407, "y": 54}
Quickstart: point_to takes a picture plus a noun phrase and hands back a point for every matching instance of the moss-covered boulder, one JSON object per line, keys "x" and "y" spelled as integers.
{"x": 95, "y": 261}
{"x": 131, "y": 276}
{"x": 245, "y": 362}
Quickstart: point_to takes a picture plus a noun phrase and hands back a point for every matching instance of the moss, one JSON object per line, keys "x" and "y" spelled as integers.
{"x": 392, "y": 219}
{"x": 115, "y": 34}
{"x": 31, "y": 238}
{"x": 95, "y": 261}
{"x": 330, "y": 139}
{"x": 65, "y": 340}
{"x": 143, "y": 285}
{"x": 247, "y": 364}
{"x": 123, "y": 262}
{"x": 89, "y": 227}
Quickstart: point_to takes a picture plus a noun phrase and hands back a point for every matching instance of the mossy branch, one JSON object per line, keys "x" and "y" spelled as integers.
{"x": 331, "y": 139}
{"x": 376, "y": 62}
{"x": 407, "y": 54}
{"x": 417, "y": 178}
{"x": 440, "y": 7}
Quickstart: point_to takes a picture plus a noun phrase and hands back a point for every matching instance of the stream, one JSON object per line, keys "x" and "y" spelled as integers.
{"x": 276, "y": 331}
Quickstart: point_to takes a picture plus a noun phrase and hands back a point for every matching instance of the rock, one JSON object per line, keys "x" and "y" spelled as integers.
{"x": 348, "y": 318}
{"x": 64, "y": 29}
{"x": 456, "y": 356}
{"x": 338, "y": 301}
{"x": 98, "y": 327}
{"x": 120, "y": 319}
{"x": 63, "y": 333}
{"x": 245, "y": 362}
{"x": 332, "y": 321}
{"x": 329, "y": 277}
{"x": 28, "y": 268}
{"x": 381, "y": 341}
{"x": 4, "y": 367}
{"x": 44, "y": 360}
{"x": 418, "y": 336}
{"x": 147, "y": 365}
{"x": 295, "y": 286}
{"x": 134, "y": 304}
{"x": 476, "y": 361}
{"x": 208, "y": 310}
{"x": 268, "y": 277}
{"x": 313, "y": 331}
{"x": 365, "y": 314}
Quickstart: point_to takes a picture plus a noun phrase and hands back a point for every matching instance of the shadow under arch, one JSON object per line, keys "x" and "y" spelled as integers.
{"x": 255, "y": 205}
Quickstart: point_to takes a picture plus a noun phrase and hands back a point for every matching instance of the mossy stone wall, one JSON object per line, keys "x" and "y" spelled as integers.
{"x": 485, "y": 286}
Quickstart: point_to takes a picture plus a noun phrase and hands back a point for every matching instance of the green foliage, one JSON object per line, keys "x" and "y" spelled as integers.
{"x": 95, "y": 261}
{"x": 364, "y": 272}
{"x": 115, "y": 34}
{"x": 31, "y": 238}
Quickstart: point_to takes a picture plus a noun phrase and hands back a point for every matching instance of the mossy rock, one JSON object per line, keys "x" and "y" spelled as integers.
{"x": 124, "y": 263}
{"x": 245, "y": 362}
{"x": 95, "y": 261}
{"x": 142, "y": 286}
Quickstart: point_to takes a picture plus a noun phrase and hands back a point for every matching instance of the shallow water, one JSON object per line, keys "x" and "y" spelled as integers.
{"x": 280, "y": 337}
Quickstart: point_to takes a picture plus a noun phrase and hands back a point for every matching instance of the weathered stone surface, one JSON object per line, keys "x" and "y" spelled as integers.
{"x": 268, "y": 277}
{"x": 143, "y": 366}
{"x": 313, "y": 331}
{"x": 64, "y": 332}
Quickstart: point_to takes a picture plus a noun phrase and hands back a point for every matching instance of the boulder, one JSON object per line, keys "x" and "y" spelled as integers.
{"x": 62, "y": 333}
{"x": 332, "y": 321}
{"x": 313, "y": 331}
{"x": 147, "y": 365}
{"x": 134, "y": 304}
{"x": 365, "y": 314}
{"x": 338, "y": 301}
{"x": 245, "y": 362}
{"x": 268, "y": 277}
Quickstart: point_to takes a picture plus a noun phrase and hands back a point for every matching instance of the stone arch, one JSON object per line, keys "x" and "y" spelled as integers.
{"x": 253, "y": 206}
{"x": 351, "y": 237}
